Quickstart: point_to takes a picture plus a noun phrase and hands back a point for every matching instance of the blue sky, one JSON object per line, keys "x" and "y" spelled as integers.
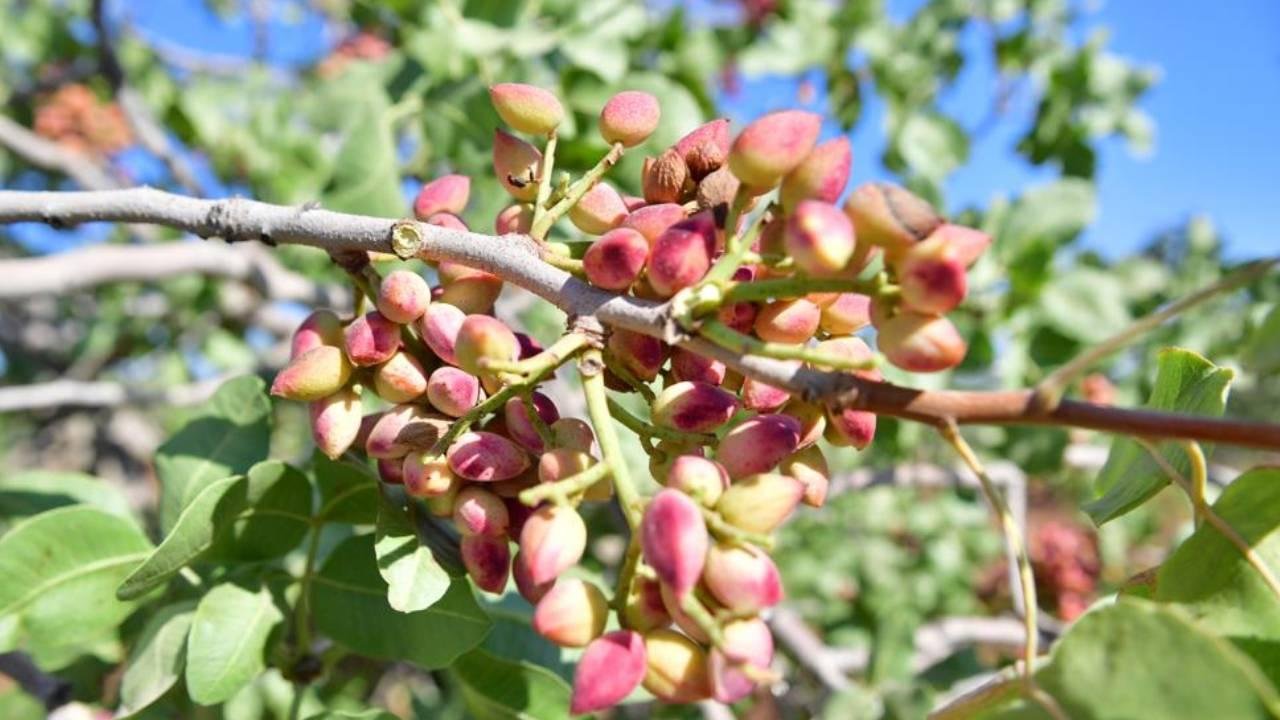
{"x": 1215, "y": 108}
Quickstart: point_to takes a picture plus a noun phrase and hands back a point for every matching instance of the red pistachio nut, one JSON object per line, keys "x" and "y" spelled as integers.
{"x": 391, "y": 435}
{"x": 674, "y": 538}
{"x": 470, "y": 290}
{"x": 822, "y": 175}
{"x": 629, "y": 117}
{"x": 449, "y": 221}
{"x": 483, "y": 337}
{"x": 931, "y": 276}
{"x": 653, "y": 220}
{"x": 321, "y": 327}
{"x": 889, "y": 216}
{"x": 688, "y": 366}
{"x": 390, "y": 471}
{"x": 600, "y": 210}
{"x": 682, "y": 619}
{"x": 427, "y": 475}
{"x": 665, "y": 178}
{"x": 552, "y": 540}
{"x": 701, "y": 479}
{"x": 400, "y": 379}
{"x": 516, "y": 218}
{"x": 772, "y": 146}
{"x": 610, "y": 668}
{"x": 644, "y": 609}
{"x": 487, "y": 560}
{"x": 788, "y": 321}
{"x": 371, "y": 339}
{"x": 666, "y": 452}
{"x": 518, "y": 166}
{"x": 527, "y": 108}
{"x": 758, "y": 444}
{"x": 560, "y": 463}
{"x": 682, "y": 254}
{"x": 616, "y": 260}
{"x": 809, "y": 466}
{"x": 763, "y": 397}
{"x": 677, "y": 670}
{"x": 486, "y": 457}
{"x": 747, "y": 643}
{"x": 847, "y": 313}
{"x": 452, "y": 391}
{"x": 573, "y": 434}
{"x": 439, "y": 327}
{"x": 403, "y": 296}
{"x": 642, "y": 355}
{"x": 572, "y": 613}
{"x": 335, "y": 422}
{"x": 742, "y": 578}
{"x": 921, "y": 343}
{"x": 968, "y": 244}
{"x": 819, "y": 237}
{"x": 477, "y": 511}
{"x": 529, "y": 590}
{"x": 520, "y": 426}
{"x": 314, "y": 375}
{"x": 445, "y": 194}
{"x": 760, "y": 503}
{"x": 693, "y": 407}
{"x": 811, "y": 417}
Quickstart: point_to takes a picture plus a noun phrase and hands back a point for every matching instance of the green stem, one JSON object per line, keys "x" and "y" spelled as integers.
{"x": 797, "y": 286}
{"x": 640, "y": 427}
{"x": 626, "y": 376}
{"x": 535, "y": 419}
{"x": 561, "y": 492}
{"x": 735, "y": 246}
{"x": 544, "y": 187}
{"x": 730, "y": 339}
{"x": 575, "y": 192}
{"x": 560, "y": 352}
{"x": 697, "y": 612}
{"x": 626, "y": 574}
{"x": 302, "y": 609}
{"x": 591, "y": 365}
{"x": 730, "y": 533}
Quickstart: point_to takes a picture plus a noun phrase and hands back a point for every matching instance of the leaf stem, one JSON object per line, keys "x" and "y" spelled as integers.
{"x": 591, "y": 366}
{"x": 646, "y": 429}
{"x": 542, "y": 225}
{"x": 562, "y": 491}
{"x": 730, "y": 339}
{"x": 544, "y": 188}
{"x": 796, "y": 286}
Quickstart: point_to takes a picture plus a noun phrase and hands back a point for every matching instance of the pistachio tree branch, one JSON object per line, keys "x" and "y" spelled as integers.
{"x": 515, "y": 258}
{"x": 74, "y": 393}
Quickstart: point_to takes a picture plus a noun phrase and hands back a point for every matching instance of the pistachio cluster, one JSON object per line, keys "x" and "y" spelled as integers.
{"x": 743, "y": 239}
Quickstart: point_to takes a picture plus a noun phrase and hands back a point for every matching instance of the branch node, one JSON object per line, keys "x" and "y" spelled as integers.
{"x": 406, "y": 239}
{"x": 590, "y": 327}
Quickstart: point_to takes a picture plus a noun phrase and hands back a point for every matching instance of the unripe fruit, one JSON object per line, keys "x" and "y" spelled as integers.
{"x": 762, "y": 397}
{"x": 921, "y": 343}
{"x": 573, "y": 434}
{"x": 811, "y": 417}
{"x": 448, "y": 221}
{"x": 742, "y": 578}
{"x": 482, "y": 337}
{"x": 401, "y": 429}
{"x": 846, "y": 314}
{"x": 772, "y": 146}
{"x": 601, "y": 209}
{"x": 516, "y": 218}
{"x": 447, "y": 194}
{"x": 560, "y": 463}
{"x": 644, "y": 609}
{"x": 666, "y": 452}
{"x": 390, "y": 471}
{"x": 400, "y": 379}
{"x": 850, "y": 428}
{"x": 787, "y": 321}
{"x": 468, "y": 289}
{"x": 526, "y": 108}
{"x": 665, "y": 178}
{"x": 439, "y": 328}
{"x": 967, "y": 244}
{"x": 889, "y": 216}
{"x": 572, "y": 613}
{"x": 452, "y": 391}
{"x": 931, "y": 276}
{"x": 746, "y": 642}
{"x": 615, "y": 261}
{"x": 529, "y": 590}
{"x": 653, "y": 220}
{"x": 485, "y": 457}
{"x": 335, "y": 422}
{"x": 674, "y": 608}
{"x": 674, "y": 538}
{"x": 520, "y": 426}
{"x": 677, "y": 670}
{"x": 488, "y": 561}
{"x": 701, "y": 479}
{"x": 740, "y": 316}
{"x": 758, "y": 444}
{"x": 640, "y": 354}
{"x": 682, "y": 255}
{"x": 371, "y": 339}
{"x": 819, "y": 237}
{"x": 704, "y": 145}
{"x": 552, "y": 540}
{"x": 518, "y": 166}
{"x": 313, "y": 375}
{"x": 609, "y": 669}
{"x": 688, "y": 366}
{"x": 822, "y": 175}
{"x": 760, "y": 503}
{"x": 321, "y": 327}
{"x": 477, "y": 511}
{"x": 428, "y": 475}
{"x": 693, "y": 407}
{"x": 629, "y": 118}
{"x": 403, "y": 296}
{"x": 809, "y": 466}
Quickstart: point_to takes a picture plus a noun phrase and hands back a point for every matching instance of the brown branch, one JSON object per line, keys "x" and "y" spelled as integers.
{"x": 515, "y": 259}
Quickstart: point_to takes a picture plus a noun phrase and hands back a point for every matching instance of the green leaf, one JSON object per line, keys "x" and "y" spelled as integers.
{"x": 1262, "y": 353}
{"x": 275, "y": 515}
{"x": 32, "y": 492}
{"x": 932, "y": 145}
{"x": 229, "y": 433}
{"x": 1137, "y": 659}
{"x": 1042, "y": 219}
{"x": 157, "y": 659}
{"x": 354, "y": 715}
{"x": 1210, "y": 578}
{"x": 366, "y": 176}
{"x": 1185, "y": 383}
{"x": 348, "y": 492}
{"x": 227, "y": 641}
{"x": 60, "y": 570}
{"x": 1085, "y": 304}
{"x": 604, "y": 56}
{"x": 514, "y": 638}
{"x": 415, "y": 581}
{"x": 349, "y": 604}
{"x": 498, "y": 689}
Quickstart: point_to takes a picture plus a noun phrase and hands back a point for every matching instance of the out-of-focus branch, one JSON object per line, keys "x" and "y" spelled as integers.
{"x": 517, "y": 259}
{"x": 48, "y": 155}
{"x": 73, "y": 393}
